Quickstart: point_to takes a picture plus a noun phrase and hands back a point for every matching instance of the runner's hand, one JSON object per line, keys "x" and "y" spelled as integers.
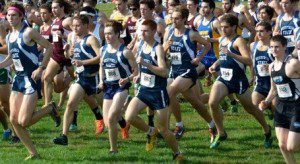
{"x": 37, "y": 74}
{"x": 124, "y": 81}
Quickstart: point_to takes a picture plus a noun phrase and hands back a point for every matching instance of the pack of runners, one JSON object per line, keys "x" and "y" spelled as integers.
{"x": 160, "y": 49}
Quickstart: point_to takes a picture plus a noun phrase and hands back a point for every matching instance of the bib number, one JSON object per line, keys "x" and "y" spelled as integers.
{"x": 263, "y": 70}
{"x": 284, "y": 90}
{"x": 112, "y": 74}
{"x": 18, "y": 65}
{"x": 147, "y": 80}
{"x": 176, "y": 58}
{"x": 46, "y": 36}
{"x": 291, "y": 41}
{"x": 226, "y": 73}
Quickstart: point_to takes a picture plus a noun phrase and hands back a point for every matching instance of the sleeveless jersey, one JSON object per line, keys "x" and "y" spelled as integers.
{"x": 206, "y": 31}
{"x": 84, "y": 52}
{"x": 115, "y": 65}
{"x": 261, "y": 61}
{"x": 231, "y": 69}
{"x": 131, "y": 25}
{"x": 25, "y": 57}
{"x": 46, "y": 34}
{"x": 288, "y": 89}
{"x": 57, "y": 42}
{"x": 148, "y": 78}
{"x": 287, "y": 29}
{"x": 182, "y": 52}
{"x": 190, "y": 22}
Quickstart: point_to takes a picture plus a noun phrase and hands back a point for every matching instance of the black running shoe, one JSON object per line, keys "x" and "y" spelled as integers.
{"x": 61, "y": 140}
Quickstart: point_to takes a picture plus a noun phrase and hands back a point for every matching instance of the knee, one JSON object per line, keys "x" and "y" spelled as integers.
{"x": 129, "y": 118}
{"x": 213, "y": 105}
{"x": 111, "y": 120}
{"x": 71, "y": 105}
{"x": 13, "y": 120}
{"x": 23, "y": 122}
{"x": 283, "y": 146}
{"x": 292, "y": 148}
{"x": 47, "y": 78}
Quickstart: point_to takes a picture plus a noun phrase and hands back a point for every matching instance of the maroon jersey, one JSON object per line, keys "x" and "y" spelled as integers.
{"x": 130, "y": 24}
{"x": 190, "y": 23}
{"x": 46, "y": 33}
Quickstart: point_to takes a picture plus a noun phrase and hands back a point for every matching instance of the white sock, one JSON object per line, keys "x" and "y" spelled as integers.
{"x": 151, "y": 130}
{"x": 180, "y": 124}
{"x": 211, "y": 124}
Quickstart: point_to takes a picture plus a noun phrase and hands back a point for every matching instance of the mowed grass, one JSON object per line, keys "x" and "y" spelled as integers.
{"x": 244, "y": 143}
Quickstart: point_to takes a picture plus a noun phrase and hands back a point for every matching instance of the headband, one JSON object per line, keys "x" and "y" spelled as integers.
{"x": 86, "y": 13}
{"x": 16, "y": 10}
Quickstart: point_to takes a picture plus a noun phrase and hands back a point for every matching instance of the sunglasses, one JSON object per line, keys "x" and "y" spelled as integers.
{"x": 133, "y": 9}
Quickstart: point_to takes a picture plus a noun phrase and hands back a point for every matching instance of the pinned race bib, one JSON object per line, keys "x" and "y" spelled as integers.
{"x": 226, "y": 73}
{"x": 18, "y": 65}
{"x": 80, "y": 69}
{"x": 176, "y": 58}
{"x": 46, "y": 36}
{"x": 112, "y": 74}
{"x": 147, "y": 80}
{"x": 284, "y": 90}
{"x": 263, "y": 70}
{"x": 55, "y": 38}
{"x": 291, "y": 40}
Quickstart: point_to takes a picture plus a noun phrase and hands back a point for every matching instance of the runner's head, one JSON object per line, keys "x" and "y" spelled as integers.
{"x": 15, "y": 14}
{"x": 229, "y": 24}
{"x": 207, "y": 7}
{"x": 180, "y": 16}
{"x": 60, "y": 7}
{"x": 227, "y": 5}
{"x": 252, "y": 4}
{"x": 192, "y": 5}
{"x": 112, "y": 31}
{"x": 45, "y": 12}
{"x": 134, "y": 7}
{"x": 89, "y": 12}
{"x": 121, "y": 5}
{"x": 278, "y": 46}
{"x": 146, "y": 8}
{"x": 263, "y": 30}
{"x": 80, "y": 25}
{"x": 289, "y": 5}
{"x": 148, "y": 29}
{"x": 266, "y": 13}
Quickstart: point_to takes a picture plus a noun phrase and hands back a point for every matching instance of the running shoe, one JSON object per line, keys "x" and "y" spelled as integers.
{"x": 55, "y": 114}
{"x": 99, "y": 126}
{"x": 6, "y": 134}
{"x": 125, "y": 131}
{"x": 178, "y": 157}
{"x": 111, "y": 152}
{"x": 178, "y": 131}
{"x": 151, "y": 140}
{"x": 73, "y": 128}
{"x": 213, "y": 133}
{"x": 268, "y": 138}
{"x": 14, "y": 139}
{"x": 218, "y": 140}
{"x": 61, "y": 140}
{"x": 32, "y": 157}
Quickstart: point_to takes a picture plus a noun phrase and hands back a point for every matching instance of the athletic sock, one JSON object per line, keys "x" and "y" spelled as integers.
{"x": 211, "y": 124}
{"x": 122, "y": 123}
{"x": 150, "y": 120}
{"x": 179, "y": 124}
{"x": 151, "y": 130}
{"x": 97, "y": 113}
{"x": 74, "y": 122}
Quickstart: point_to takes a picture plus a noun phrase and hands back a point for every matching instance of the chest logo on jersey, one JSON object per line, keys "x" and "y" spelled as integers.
{"x": 287, "y": 31}
{"x": 277, "y": 79}
{"x": 204, "y": 34}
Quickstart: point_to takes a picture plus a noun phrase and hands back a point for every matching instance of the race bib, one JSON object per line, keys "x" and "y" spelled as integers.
{"x": 112, "y": 74}
{"x": 55, "y": 38}
{"x": 147, "y": 80}
{"x": 291, "y": 41}
{"x": 123, "y": 35}
{"x": 263, "y": 70}
{"x": 226, "y": 73}
{"x": 284, "y": 90}
{"x": 18, "y": 65}
{"x": 175, "y": 58}
{"x": 46, "y": 36}
{"x": 80, "y": 69}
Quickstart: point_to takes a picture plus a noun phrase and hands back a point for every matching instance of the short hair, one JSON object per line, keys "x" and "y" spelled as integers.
{"x": 46, "y": 7}
{"x": 92, "y": 3}
{"x": 149, "y": 3}
{"x": 195, "y": 2}
{"x": 269, "y": 10}
{"x": 230, "y": 19}
{"x": 62, "y": 3}
{"x": 267, "y": 26}
{"x": 150, "y": 23}
{"x": 88, "y": 10}
{"x": 183, "y": 11}
{"x": 134, "y": 3}
{"x": 117, "y": 26}
{"x": 83, "y": 18}
{"x": 211, "y": 3}
{"x": 18, "y": 6}
{"x": 281, "y": 39}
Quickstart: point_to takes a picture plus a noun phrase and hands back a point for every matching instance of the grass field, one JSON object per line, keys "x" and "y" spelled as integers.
{"x": 244, "y": 143}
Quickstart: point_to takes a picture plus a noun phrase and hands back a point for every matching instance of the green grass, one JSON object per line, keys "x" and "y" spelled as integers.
{"x": 244, "y": 143}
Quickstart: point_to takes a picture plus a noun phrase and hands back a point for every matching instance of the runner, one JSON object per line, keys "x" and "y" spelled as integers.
{"x": 234, "y": 56}
{"x": 153, "y": 91}
{"x": 23, "y": 53}
{"x": 117, "y": 69}
{"x": 285, "y": 86}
